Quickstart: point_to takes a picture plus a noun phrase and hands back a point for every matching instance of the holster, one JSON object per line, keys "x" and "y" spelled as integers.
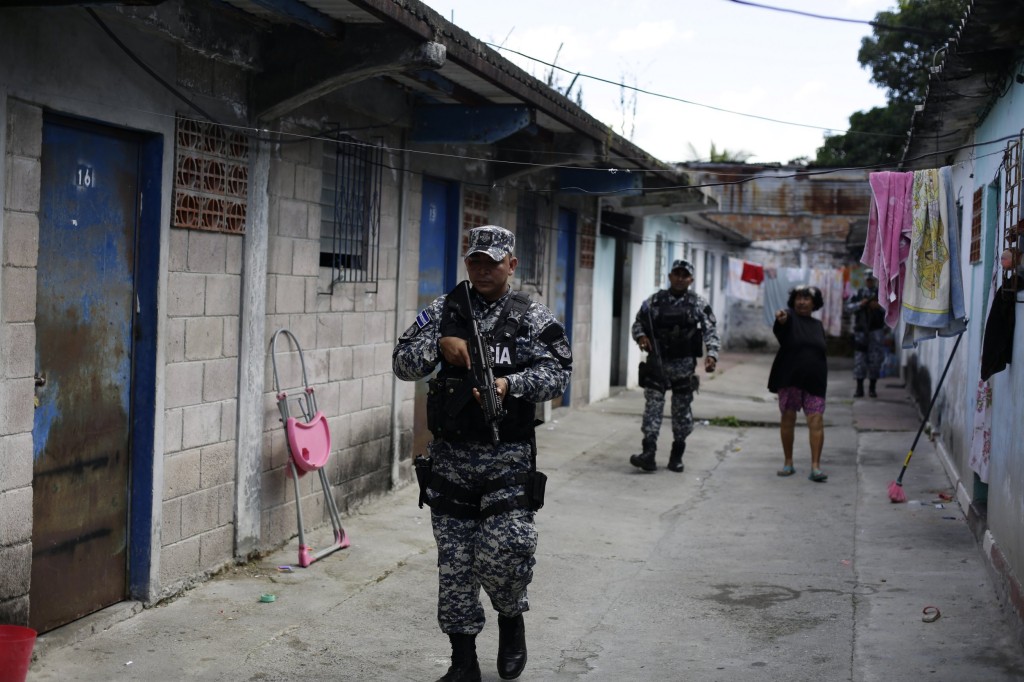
{"x": 535, "y": 487}
{"x": 423, "y": 466}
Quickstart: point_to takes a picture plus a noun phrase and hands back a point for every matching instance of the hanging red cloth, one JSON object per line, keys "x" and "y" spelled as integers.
{"x": 752, "y": 273}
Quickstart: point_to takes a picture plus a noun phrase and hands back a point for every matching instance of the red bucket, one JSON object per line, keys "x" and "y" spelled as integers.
{"x": 16, "y": 643}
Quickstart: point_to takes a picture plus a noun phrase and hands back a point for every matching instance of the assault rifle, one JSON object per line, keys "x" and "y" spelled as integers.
{"x": 482, "y": 366}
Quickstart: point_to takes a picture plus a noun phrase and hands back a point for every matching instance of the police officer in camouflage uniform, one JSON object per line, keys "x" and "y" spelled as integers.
{"x": 868, "y": 336}
{"x": 680, "y": 323}
{"x": 483, "y": 495}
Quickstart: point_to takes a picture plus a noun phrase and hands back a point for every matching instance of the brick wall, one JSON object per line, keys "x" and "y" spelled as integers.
{"x": 346, "y": 336}
{"x": 20, "y": 231}
{"x": 200, "y": 391}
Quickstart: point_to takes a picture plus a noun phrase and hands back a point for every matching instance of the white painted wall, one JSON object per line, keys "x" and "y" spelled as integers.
{"x": 601, "y": 316}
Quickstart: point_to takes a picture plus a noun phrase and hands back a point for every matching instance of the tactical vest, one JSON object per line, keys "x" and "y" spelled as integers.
{"x": 453, "y": 414}
{"x": 678, "y": 329}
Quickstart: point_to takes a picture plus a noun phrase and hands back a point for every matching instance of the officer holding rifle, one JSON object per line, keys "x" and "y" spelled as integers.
{"x": 499, "y": 355}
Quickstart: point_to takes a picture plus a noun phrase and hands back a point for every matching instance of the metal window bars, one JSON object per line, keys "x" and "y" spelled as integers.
{"x": 353, "y": 174}
{"x": 1013, "y": 223}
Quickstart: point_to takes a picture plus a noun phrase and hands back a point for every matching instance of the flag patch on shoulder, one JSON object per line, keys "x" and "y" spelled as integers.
{"x": 423, "y": 319}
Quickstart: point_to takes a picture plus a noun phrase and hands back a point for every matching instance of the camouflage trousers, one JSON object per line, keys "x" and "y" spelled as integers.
{"x": 679, "y": 374}
{"x": 496, "y": 553}
{"x": 868, "y": 363}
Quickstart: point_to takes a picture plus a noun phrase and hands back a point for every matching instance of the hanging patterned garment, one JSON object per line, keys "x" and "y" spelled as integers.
{"x": 932, "y": 301}
{"x": 981, "y": 436}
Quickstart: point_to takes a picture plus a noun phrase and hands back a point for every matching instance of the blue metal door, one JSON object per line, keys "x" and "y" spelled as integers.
{"x": 439, "y": 250}
{"x": 565, "y": 275}
{"x": 85, "y": 312}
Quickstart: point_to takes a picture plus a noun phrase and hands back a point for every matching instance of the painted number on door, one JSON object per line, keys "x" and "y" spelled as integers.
{"x": 85, "y": 177}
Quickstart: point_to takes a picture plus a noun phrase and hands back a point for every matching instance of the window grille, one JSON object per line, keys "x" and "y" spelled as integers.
{"x": 659, "y": 261}
{"x": 709, "y": 270}
{"x": 476, "y": 206}
{"x": 1013, "y": 219}
{"x": 588, "y": 244}
{"x": 531, "y": 240}
{"x": 350, "y": 202}
{"x": 211, "y": 177}
{"x": 976, "y": 204}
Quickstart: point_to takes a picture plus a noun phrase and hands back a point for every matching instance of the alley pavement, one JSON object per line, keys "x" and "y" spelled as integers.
{"x": 725, "y": 572}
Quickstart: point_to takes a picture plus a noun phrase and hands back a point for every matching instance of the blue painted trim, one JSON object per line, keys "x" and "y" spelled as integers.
{"x": 143, "y": 460}
{"x": 454, "y": 123}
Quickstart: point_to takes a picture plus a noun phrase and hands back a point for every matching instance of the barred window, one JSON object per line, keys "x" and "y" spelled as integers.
{"x": 476, "y": 206}
{"x": 976, "y": 226}
{"x": 659, "y": 261}
{"x": 350, "y": 199}
{"x": 531, "y": 240}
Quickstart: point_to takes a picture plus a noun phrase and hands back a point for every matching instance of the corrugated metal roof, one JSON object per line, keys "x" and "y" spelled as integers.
{"x": 978, "y": 62}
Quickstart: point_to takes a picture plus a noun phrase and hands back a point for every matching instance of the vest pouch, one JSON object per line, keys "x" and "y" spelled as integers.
{"x": 535, "y": 487}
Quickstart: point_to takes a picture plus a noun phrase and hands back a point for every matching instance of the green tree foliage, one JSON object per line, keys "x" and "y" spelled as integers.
{"x": 904, "y": 44}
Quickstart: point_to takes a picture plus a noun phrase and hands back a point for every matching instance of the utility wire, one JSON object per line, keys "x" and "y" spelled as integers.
{"x": 878, "y": 25}
{"x": 643, "y": 91}
{"x": 254, "y": 134}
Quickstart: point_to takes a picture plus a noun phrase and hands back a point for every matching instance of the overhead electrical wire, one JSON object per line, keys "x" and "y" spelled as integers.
{"x": 881, "y": 26}
{"x": 257, "y": 134}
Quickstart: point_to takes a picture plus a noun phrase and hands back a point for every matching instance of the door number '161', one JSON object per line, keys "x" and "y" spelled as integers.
{"x": 85, "y": 177}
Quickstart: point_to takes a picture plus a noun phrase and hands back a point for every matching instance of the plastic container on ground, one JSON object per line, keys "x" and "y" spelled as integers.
{"x": 16, "y": 644}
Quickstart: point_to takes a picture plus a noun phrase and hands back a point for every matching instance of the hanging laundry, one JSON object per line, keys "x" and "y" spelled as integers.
{"x": 831, "y": 284}
{"x": 932, "y": 301}
{"x": 738, "y": 287}
{"x": 981, "y": 436}
{"x": 997, "y": 346}
{"x": 887, "y": 245}
{"x": 752, "y": 273}
{"x": 777, "y": 283}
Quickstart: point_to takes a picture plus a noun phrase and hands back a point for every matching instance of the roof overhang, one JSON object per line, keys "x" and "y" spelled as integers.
{"x": 978, "y": 63}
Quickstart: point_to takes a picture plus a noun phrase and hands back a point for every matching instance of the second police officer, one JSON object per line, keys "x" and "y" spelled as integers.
{"x": 483, "y": 494}
{"x": 673, "y": 325}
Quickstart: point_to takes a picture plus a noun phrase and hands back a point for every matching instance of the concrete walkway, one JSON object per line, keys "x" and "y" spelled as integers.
{"x": 725, "y": 572}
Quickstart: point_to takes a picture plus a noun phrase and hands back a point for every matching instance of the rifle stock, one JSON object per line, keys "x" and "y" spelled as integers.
{"x": 482, "y": 368}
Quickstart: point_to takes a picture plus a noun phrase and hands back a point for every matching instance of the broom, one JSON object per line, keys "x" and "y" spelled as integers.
{"x": 896, "y": 493}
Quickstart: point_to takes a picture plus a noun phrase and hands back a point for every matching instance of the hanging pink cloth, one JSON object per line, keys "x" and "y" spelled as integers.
{"x": 890, "y": 223}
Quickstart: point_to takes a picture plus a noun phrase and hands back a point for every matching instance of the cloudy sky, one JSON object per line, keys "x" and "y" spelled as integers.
{"x": 714, "y": 54}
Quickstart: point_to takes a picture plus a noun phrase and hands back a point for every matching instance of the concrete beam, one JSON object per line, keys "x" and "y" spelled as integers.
{"x": 302, "y": 68}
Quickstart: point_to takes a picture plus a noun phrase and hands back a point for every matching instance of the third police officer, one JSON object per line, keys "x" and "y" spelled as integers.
{"x": 673, "y": 326}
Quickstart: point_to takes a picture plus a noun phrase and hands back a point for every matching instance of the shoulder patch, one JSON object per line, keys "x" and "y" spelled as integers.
{"x": 422, "y": 320}
{"x": 553, "y": 336}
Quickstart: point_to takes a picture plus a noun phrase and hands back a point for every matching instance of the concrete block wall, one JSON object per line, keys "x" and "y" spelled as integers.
{"x": 19, "y": 227}
{"x": 203, "y": 291}
{"x": 346, "y": 336}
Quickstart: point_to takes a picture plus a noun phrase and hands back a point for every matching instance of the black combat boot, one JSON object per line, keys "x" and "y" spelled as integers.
{"x": 871, "y": 389}
{"x": 675, "y": 459}
{"x": 645, "y": 460}
{"x": 464, "y": 667}
{"x": 511, "y": 646}
{"x": 860, "y": 389}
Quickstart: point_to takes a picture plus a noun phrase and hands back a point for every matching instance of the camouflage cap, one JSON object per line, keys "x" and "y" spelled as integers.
{"x": 496, "y": 242}
{"x": 682, "y": 264}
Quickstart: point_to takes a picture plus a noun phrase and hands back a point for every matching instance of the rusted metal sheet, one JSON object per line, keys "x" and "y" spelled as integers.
{"x": 84, "y": 315}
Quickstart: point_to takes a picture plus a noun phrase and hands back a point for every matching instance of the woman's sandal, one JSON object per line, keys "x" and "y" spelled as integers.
{"x": 787, "y": 470}
{"x": 818, "y": 476}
